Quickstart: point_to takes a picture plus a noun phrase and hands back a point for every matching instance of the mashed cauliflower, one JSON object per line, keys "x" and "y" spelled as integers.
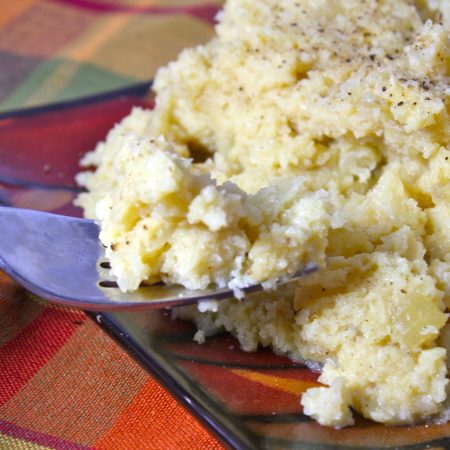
{"x": 305, "y": 131}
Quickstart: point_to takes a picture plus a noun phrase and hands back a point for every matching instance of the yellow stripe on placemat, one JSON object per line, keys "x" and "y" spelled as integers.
{"x": 289, "y": 385}
{"x": 79, "y": 50}
{"x": 150, "y": 41}
{"x": 83, "y": 48}
{"x": 136, "y": 45}
{"x": 94, "y": 38}
{"x": 53, "y": 83}
{"x": 7, "y": 442}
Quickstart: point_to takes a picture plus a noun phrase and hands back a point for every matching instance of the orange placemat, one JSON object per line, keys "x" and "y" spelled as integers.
{"x": 66, "y": 385}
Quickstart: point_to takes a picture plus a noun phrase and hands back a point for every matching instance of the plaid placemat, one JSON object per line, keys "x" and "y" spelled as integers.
{"x": 64, "y": 384}
{"x": 55, "y": 50}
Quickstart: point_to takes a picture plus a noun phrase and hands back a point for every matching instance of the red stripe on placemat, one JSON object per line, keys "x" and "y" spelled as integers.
{"x": 15, "y": 431}
{"x": 205, "y": 12}
{"x": 21, "y": 358}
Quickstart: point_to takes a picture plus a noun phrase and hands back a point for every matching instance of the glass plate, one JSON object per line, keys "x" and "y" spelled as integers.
{"x": 249, "y": 400}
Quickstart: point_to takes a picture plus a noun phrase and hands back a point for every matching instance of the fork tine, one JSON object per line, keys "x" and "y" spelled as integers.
{"x": 56, "y": 257}
{"x": 59, "y": 258}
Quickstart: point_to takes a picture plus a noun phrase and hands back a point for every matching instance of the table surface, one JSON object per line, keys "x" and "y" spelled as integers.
{"x": 64, "y": 383}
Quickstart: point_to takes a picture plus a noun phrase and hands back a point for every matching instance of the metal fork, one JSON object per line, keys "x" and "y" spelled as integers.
{"x": 59, "y": 258}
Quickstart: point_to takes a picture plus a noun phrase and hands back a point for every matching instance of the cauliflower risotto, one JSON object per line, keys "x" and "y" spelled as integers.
{"x": 309, "y": 131}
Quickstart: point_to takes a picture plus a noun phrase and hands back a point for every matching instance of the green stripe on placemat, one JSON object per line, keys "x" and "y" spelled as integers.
{"x": 90, "y": 79}
{"x": 59, "y": 80}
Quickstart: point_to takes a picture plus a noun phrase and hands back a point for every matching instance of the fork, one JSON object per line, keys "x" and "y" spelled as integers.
{"x": 60, "y": 259}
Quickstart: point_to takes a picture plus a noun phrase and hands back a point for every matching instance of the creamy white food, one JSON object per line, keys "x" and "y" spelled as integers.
{"x": 324, "y": 131}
